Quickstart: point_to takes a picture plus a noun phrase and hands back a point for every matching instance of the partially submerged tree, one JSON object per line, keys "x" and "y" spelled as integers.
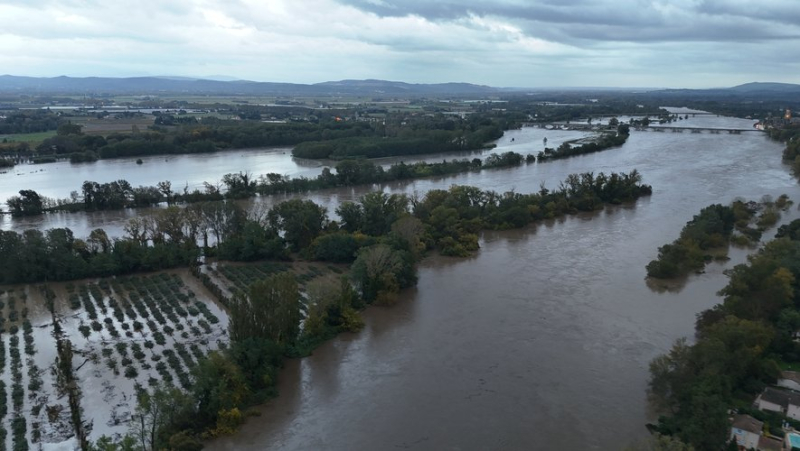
{"x": 270, "y": 309}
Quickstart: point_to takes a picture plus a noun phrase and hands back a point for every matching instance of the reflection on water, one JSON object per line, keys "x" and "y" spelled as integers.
{"x": 58, "y": 180}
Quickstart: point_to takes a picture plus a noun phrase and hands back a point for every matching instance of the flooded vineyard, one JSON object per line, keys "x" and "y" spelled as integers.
{"x": 126, "y": 334}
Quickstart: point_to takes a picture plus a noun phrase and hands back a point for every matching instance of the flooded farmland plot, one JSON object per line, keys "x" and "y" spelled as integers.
{"x": 122, "y": 335}
{"x": 231, "y": 277}
{"x": 74, "y": 355}
{"x": 224, "y": 279}
{"x": 32, "y": 408}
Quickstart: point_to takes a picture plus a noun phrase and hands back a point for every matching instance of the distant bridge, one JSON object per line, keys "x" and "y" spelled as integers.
{"x": 655, "y": 128}
{"x": 701, "y": 113}
{"x": 712, "y": 130}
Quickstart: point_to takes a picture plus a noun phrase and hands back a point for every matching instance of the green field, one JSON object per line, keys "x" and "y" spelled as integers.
{"x": 30, "y": 138}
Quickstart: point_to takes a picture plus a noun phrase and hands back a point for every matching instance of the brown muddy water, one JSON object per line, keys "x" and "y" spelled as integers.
{"x": 543, "y": 338}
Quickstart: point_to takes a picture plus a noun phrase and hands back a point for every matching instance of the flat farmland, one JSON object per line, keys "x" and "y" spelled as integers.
{"x": 116, "y": 336}
{"x": 110, "y": 124}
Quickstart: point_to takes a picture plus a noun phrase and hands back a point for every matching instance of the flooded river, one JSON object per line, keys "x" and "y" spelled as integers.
{"x": 57, "y": 180}
{"x": 541, "y": 340}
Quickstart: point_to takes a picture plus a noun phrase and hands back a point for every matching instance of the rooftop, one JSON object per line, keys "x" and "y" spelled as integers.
{"x": 781, "y": 397}
{"x": 748, "y": 423}
{"x": 791, "y": 375}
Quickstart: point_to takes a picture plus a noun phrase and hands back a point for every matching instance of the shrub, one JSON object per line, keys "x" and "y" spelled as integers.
{"x": 85, "y": 330}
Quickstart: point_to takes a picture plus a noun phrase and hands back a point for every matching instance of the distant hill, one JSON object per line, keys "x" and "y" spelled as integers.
{"x": 140, "y": 85}
{"x": 173, "y": 85}
{"x": 224, "y": 85}
{"x": 767, "y": 87}
{"x": 748, "y": 92}
{"x": 398, "y": 87}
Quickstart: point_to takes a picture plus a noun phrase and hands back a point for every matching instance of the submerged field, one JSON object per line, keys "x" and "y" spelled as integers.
{"x": 127, "y": 334}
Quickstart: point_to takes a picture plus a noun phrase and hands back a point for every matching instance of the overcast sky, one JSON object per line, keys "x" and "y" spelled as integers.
{"x": 508, "y": 43}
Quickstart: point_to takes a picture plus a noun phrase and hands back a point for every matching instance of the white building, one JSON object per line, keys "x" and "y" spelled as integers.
{"x": 746, "y": 430}
{"x": 783, "y": 401}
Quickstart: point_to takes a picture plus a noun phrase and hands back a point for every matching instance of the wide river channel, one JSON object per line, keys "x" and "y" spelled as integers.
{"x": 540, "y": 341}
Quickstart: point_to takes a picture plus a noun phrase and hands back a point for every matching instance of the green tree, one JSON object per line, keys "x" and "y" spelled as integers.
{"x": 375, "y": 271}
{"x": 322, "y": 294}
{"x": 253, "y": 243}
{"x": 240, "y": 186}
{"x": 98, "y": 242}
{"x": 669, "y": 375}
{"x": 300, "y": 220}
{"x": 159, "y": 414}
{"x": 352, "y": 216}
{"x": 28, "y": 203}
{"x": 69, "y": 129}
{"x": 695, "y": 384}
{"x": 258, "y": 359}
{"x": 183, "y": 441}
{"x": 410, "y": 230}
{"x": 336, "y": 247}
{"x": 219, "y": 386}
{"x": 221, "y": 219}
{"x": 270, "y": 309}
{"x": 381, "y": 210}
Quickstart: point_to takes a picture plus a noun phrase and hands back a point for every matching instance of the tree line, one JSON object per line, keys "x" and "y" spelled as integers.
{"x": 173, "y": 236}
{"x": 605, "y": 141}
{"x": 360, "y": 172}
{"x": 791, "y": 136}
{"x": 399, "y": 134}
{"x": 120, "y": 194}
{"x": 713, "y": 228}
{"x": 28, "y": 122}
{"x": 740, "y": 346}
{"x": 417, "y": 142}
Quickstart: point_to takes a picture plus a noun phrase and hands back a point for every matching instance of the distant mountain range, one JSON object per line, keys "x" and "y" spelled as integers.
{"x": 224, "y": 85}
{"x": 749, "y": 91}
{"x": 171, "y": 85}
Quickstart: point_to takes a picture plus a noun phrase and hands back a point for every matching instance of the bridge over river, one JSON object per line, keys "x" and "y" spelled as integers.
{"x": 714, "y": 130}
{"x": 654, "y": 128}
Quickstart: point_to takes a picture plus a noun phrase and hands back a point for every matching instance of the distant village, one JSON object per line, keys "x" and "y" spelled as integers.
{"x": 787, "y": 120}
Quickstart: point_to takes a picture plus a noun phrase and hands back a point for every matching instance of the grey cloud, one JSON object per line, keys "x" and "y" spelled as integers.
{"x": 577, "y": 42}
{"x": 580, "y": 22}
{"x": 779, "y": 11}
